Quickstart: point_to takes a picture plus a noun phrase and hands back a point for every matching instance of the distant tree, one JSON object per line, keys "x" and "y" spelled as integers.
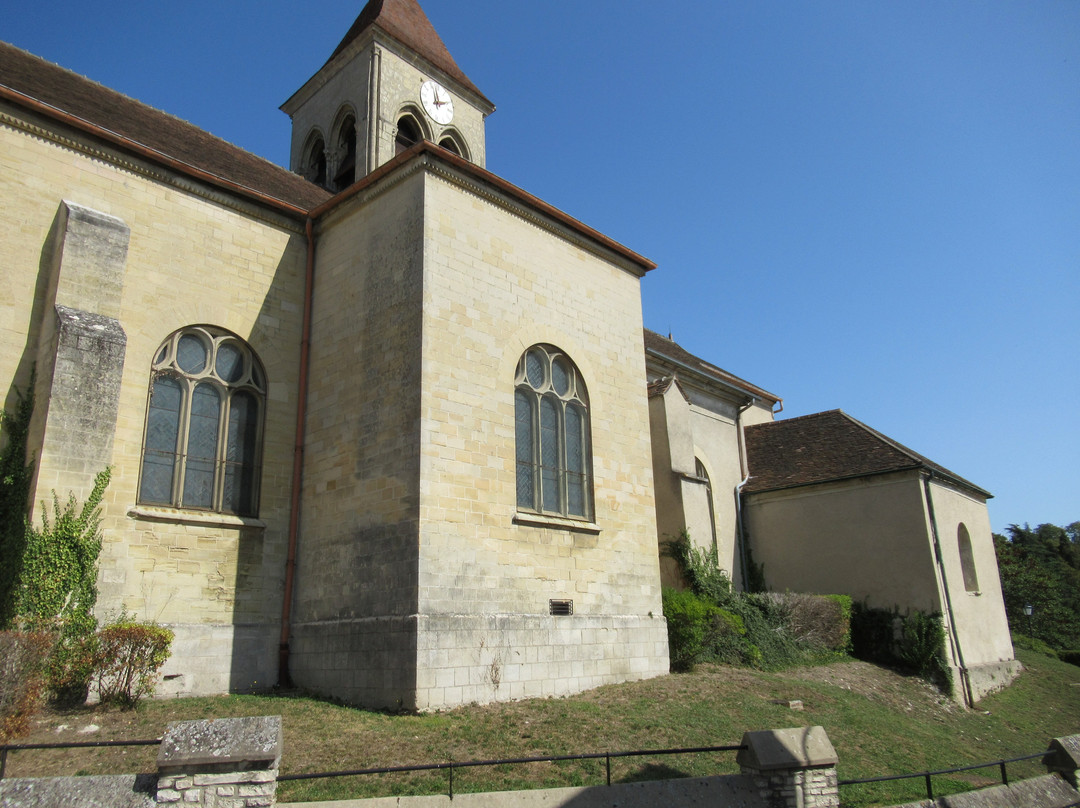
{"x": 1040, "y": 567}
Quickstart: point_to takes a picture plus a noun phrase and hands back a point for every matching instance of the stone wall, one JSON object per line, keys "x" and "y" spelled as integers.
{"x": 104, "y": 257}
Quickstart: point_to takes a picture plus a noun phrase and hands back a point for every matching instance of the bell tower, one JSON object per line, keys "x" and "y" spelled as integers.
{"x": 390, "y": 83}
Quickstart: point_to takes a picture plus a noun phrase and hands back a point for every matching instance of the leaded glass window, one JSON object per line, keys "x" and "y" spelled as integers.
{"x": 204, "y": 424}
{"x": 552, "y": 434}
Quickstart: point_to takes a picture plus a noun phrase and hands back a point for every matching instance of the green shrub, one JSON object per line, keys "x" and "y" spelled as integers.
{"x": 842, "y": 639}
{"x": 688, "y": 618}
{"x": 56, "y": 587}
{"x": 1034, "y": 644}
{"x": 700, "y": 568}
{"x": 1072, "y": 657}
{"x": 127, "y": 658}
{"x": 22, "y": 678}
{"x": 816, "y": 621}
{"x": 922, "y": 648}
{"x": 914, "y": 642}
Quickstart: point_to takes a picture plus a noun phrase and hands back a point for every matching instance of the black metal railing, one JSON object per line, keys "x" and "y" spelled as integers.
{"x": 450, "y": 765}
{"x": 18, "y": 747}
{"x": 1000, "y": 764}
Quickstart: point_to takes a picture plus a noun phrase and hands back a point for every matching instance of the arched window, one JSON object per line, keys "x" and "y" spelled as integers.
{"x": 554, "y": 459}
{"x": 346, "y": 150}
{"x": 202, "y": 446}
{"x": 315, "y": 161}
{"x": 450, "y": 145}
{"x": 703, "y": 475}
{"x": 967, "y": 559}
{"x": 407, "y": 134}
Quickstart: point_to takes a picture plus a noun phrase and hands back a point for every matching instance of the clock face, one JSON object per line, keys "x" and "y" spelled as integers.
{"x": 437, "y": 102}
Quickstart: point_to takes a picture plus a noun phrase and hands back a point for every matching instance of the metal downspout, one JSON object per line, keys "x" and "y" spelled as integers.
{"x": 965, "y": 683}
{"x": 744, "y": 470}
{"x": 284, "y": 679}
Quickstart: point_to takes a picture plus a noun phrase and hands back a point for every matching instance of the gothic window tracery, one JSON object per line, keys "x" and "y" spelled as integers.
{"x": 203, "y": 435}
{"x": 554, "y": 450}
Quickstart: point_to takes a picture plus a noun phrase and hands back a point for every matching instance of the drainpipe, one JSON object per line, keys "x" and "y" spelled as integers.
{"x": 744, "y": 470}
{"x": 284, "y": 679}
{"x": 965, "y": 682}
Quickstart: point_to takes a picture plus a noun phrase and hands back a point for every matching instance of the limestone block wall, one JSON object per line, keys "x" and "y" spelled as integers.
{"x": 194, "y": 256}
{"x": 377, "y": 84}
{"x": 357, "y": 560}
{"x": 495, "y": 284}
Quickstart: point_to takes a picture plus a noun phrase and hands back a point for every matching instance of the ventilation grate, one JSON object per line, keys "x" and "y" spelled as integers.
{"x": 561, "y": 608}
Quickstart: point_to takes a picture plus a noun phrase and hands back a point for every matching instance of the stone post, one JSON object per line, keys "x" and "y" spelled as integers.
{"x": 792, "y": 768}
{"x": 220, "y": 763}
{"x": 1063, "y": 757}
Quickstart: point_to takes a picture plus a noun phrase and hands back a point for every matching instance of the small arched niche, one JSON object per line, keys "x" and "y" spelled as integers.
{"x": 967, "y": 559}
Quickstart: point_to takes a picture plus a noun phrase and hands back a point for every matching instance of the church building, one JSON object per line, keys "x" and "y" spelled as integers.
{"x": 364, "y": 440}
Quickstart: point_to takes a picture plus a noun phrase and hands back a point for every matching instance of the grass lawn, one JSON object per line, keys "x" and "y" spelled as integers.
{"x": 880, "y": 723}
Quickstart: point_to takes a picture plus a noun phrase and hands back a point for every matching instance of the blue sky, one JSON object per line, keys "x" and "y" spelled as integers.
{"x": 866, "y": 205}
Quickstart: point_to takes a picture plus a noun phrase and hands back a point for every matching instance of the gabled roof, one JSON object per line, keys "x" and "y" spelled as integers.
{"x": 827, "y": 447}
{"x": 663, "y": 348}
{"x": 406, "y": 22}
{"x": 50, "y": 90}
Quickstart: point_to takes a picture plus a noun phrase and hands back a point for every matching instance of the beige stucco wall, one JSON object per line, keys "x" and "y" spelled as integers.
{"x": 873, "y": 539}
{"x": 868, "y": 538}
{"x": 216, "y": 581}
{"x": 981, "y": 626}
{"x": 699, "y": 425}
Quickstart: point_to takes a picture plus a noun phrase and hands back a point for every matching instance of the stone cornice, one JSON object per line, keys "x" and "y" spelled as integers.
{"x": 64, "y": 136}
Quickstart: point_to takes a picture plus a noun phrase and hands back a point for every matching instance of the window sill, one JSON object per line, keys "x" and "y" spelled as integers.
{"x": 177, "y": 516}
{"x": 559, "y": 522}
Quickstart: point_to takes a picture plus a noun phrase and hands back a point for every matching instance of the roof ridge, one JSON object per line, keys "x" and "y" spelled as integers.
{"x": 85, "y": 103}
{"x": 124, "y": 96}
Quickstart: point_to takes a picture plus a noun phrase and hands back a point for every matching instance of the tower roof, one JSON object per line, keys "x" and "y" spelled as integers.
{"x": 406, "y": 22}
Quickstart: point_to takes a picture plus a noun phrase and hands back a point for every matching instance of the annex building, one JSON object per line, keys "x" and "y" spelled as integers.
{"x": 360, "y": 434}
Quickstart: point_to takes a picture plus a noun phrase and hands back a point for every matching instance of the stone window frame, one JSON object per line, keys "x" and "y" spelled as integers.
{"x": 415, "y": 120}
{"x": 452, "y": 140}
{"x": 313, "y": 159}
{"x": 164, "y": 468}
{"x": 553, "y": 438}
{"x": 343, "y": 150}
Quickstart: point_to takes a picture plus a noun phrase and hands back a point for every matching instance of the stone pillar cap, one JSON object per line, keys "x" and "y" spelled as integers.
{"x": 797, "y": 748}
{"x": 1063, "y": 754}
{"x": 221, "y": 744}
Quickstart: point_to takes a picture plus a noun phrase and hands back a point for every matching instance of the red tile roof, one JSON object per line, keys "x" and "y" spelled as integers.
{"x": 826, "y": 447}
{"x": 665, "y": 348}
{"x": 406, "y": 22}
{"x": 50, "y": 90}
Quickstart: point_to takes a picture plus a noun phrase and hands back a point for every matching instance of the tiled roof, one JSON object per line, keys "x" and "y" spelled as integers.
{"x": 826, "y": 447}
{"x": 406, "y": 22}
{"x": 51, "y": 90}
{"x": 669, "y": 349}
